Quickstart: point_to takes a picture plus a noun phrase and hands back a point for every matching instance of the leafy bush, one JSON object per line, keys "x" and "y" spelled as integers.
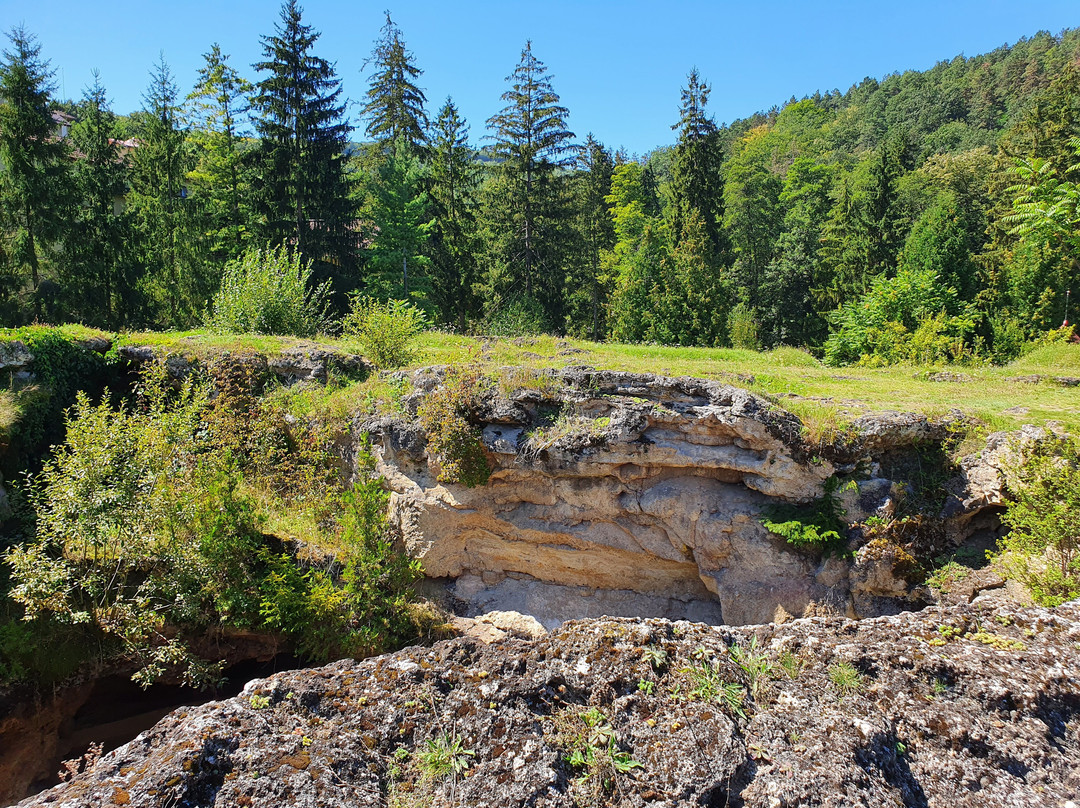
{"x": 447, "y": 417}
{"x": 912, "y": 318}
{"x": 743, "y": 328}
{"x": 818, "y": 525}
{"x": 519, "y": 317}
{"x": 269, "y": 292}
{"x": 386, "y": 331}
{"x": 1042, "y": 548}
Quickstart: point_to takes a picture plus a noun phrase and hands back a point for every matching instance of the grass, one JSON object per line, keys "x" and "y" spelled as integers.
{"x": 824, "y": 397}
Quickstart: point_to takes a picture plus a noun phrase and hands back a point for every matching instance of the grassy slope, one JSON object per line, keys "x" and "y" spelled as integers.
{"x": 791, "y": 377}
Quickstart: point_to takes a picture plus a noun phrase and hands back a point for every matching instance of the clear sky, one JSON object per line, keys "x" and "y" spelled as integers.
{"x": 617, "y": 65}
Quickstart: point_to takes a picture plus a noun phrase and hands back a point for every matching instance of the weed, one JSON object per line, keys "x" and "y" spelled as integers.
{"x": 790, "y": 664}
{"x": 645, "y": 686}
{"x": 656, "y": 656}
{"x": 945, "y": 577}
{"x": 592, "y": 748}
{"x": 259, "y": 702}
{"x": 846, "y": 679}
{"x": 703, "y": 682}
{"x": 754, "y": 664}
{"x": 444, "y": 756}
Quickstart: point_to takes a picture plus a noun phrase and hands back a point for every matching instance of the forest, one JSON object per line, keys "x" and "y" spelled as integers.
{"x": 921, "y": 217}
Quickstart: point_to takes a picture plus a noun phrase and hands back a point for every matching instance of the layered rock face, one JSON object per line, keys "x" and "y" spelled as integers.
{"x": 632, "y": 494}
{"x": 963, "y": 706}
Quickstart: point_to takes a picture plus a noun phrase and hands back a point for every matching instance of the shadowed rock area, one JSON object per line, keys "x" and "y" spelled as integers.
{"x": 972, "y": 705}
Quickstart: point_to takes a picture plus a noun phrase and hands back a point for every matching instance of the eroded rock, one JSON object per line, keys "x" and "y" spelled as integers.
{"x": 955, "y": 706}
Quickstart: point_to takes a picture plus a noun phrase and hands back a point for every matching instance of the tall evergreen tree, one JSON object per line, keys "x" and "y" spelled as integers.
{"x": 398, "y": 264}
{"x": 160, "y": 205}
{"x": 454, "y": 181}
{"x": 697, "y": 182}
{"x": 102, "y": 283}
{"x": 302, "y": 191}
{"x": 588, "y": 290}
{"x": 530, "y": 205}
{"x": 220, "y": 178}
{"x": 34, "y": 187}
{"x": 395, "y": 104}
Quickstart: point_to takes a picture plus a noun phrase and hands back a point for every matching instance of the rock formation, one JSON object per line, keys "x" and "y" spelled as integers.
{"x": 634, "y": 494}
{"x": 972, "y": 705}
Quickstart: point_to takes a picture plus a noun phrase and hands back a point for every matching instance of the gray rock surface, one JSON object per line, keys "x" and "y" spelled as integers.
{"x": 960, "y": 706}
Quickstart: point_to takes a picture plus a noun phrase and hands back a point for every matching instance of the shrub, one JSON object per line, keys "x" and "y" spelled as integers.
{"x": 1042, "y": 548}
{"x": 386, "y": 331}
{"x": 743, "y": 328}
{"x": 818, "y": 525}
{"x": 269, "y": 292}
{"x": 913, "y": 317}
{"x": 446, "y": 416}
{"x": 519, "y": 317}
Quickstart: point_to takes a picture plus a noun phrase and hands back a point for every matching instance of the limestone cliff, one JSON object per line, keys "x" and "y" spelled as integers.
{"x": 634, "y": 494}
{"x": 974, "y": 705}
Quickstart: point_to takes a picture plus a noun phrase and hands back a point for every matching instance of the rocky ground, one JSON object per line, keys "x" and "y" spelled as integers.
{"x": 969, "y": 705}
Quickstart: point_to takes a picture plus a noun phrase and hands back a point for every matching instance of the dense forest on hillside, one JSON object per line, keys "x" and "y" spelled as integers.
{"x": 925, "y": 216}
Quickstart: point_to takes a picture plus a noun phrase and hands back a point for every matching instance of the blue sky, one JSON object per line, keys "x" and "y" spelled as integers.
{"x": 617, "y": 65}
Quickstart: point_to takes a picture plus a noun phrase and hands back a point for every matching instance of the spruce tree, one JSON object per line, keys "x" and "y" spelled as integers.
{"x": 697, "y": 183}
{"x": 454, "y": 177}
{"x": 161, "y": 208}
{"x": 530, "y": 204}
{"x": 398, "y": 266}
{"x": 588, "y": 292}
{"x": 395, "y": 104}
{"x": 220, "y": 177}
{"x": 34, "y": 185}
{"x": 302, "y": 193}
{"x": 99, "y": 268}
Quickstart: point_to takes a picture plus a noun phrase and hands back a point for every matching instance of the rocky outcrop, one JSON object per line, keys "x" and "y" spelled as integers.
{"x": 634, "y": 494}
{"x": 962, "y": 706}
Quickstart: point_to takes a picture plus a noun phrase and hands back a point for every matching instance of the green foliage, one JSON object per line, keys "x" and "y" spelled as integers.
{"x": 1042, "y": 547}
{"x": 846, "y": 678}
{"x": 386, "y": 331}
{"x": 444, "y": 756}
{"x": 911, "y": 318}
{"x": 743, "y": 328}
{"x": 592, "y": 749}
{"x": 269, "y": 292}
{"x": 447, "y": 416}
{"x": 516, "y": 317}
{"x": 817, "y": 526}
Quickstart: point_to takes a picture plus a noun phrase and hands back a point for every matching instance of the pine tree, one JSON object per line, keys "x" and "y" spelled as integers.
{"x": 395, "y": 105}
{"x": 160, "y": 205}
{"x": 597, "y": 233}
{"x": 303, "y": 192}
{"x": 220, "y": 179}
{"x": 398, "y": 266}
{"x": 34, "y": 185}
{"x": 697, "y": 182}
{"x": 454, "y": 180}
{"x": 530, "y": 205}
{"x": 99, "y": 266}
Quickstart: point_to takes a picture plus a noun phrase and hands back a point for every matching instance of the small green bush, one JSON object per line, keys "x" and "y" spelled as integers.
{"x": 447, "y": 417}
{"x": 1042, "y": 547}
{"x": 743, "y": 328}
{"x": 386, "y": 331}
{"x": 269, "y": 292}
{"x": 520, "y": 317}
{"x": 817, "y": 526}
